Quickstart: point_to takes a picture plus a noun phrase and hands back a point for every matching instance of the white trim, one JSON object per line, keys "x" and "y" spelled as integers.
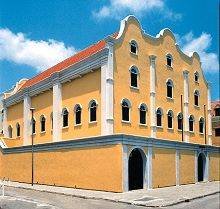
{"x": 186, "y": 106}
{"x": 125, "y": 167}
{"x": 27, "y": 120}
{"x": 149, "y": 167}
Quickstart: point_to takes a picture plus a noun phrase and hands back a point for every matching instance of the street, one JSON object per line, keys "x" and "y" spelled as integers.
{"x": 28, "y": 199}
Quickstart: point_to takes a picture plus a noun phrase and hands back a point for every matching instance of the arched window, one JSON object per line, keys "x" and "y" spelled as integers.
{"x": 51, "y": 120}
{"x": 191, "y": 123}
{"x": 18, "y": 129}
{"x": 125, "y": 105}
{"x": 33, "y": 126}
{"x": 42, "y": 123}
{"x": 196, "y": 76}
{"x": 180, "y": 121}
{"x": 65, "y": 117}
{"x": 169, "y": 60}
{"x": 78, "y": 111}
{"x": 134, "y": 77}
{"x": 133, "y": 47}
{"x": 170, "y": 119}
{"x": 159, "y": 117}
{"x": 201, "y": 125}
{"x": 2, "y": 115}
{"x": 92, "y": 110}
{"x": 10, "y": 134}
{"x": 196, "y": 98}
{"x": 170, "y": 88}
{"x": 143, "y": 111}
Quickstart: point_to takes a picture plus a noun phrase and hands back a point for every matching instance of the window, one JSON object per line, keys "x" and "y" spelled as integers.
{"x": 196, "y": 77}
{"x": 180, "y": 121}
{"x": 196, "y": 98}
{"x": 33, "y": 126}
{"x": 169, "y": 60}
{"x": 217, "y": 111}
{"x": 134, "y": 77}
{"x": 65, "y": 117}
{"x": 92, "y": 110}
{"x": 18, "y": 129}
{"x": 78, "y": 111}
{"x": 201, "y": 125}
{"x": 10, "y": 131}
{"x": 42, "y": 123}
{"x": 217, "y": 132}
{"x": 170, "y": 119}
{"x": 159, "y": 117}
{"x": 2, "y": 115}
{"x": 169, "y": 89}
{"x": 134, "y": 47}
{"x": 125, "y": 110}
{"x": 143, "y": 109}
{"x": 191, "y": 123}
{"x": 51, "y": 120}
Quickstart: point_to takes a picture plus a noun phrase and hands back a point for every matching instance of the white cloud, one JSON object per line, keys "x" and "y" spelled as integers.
{"x": 119, "y": 8}
{"x": 201, "y": 45}
{"x": 37, "y": 54}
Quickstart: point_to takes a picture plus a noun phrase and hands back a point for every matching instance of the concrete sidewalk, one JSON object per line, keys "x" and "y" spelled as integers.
{"x": 152, "y": 198}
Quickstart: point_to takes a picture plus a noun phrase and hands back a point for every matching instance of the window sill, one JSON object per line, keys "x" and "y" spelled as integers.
{"x": 134, "y": 88}
{"x": 201, "y": 133}
{"x": 42, "y": 132}
{"x": 159, "y": 127}
{"x": 191, "y": 132}
{"x": 18, "y": 137}
{"x": 197, "y": 107}
{"x": 143, "y": 124}
{"x": 93, "y": 122}
{"x": 66, "y": 127}
{"x": 33, "y": 134}
{"x": 170, "y": 129}
{"x": 127, "y": 122}
{"x": 170, "y": 99}
{"x": 169, "y": 67}
{"x": 179, "y": 130}
{"x": 133, "y": 54}
{"x": 196, "y": 82}
{"x": 80, "y": 124}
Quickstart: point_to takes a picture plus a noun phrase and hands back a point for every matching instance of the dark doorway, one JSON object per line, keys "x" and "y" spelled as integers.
{"x": 135, "y": 167}
{"x": 201, "y": 167}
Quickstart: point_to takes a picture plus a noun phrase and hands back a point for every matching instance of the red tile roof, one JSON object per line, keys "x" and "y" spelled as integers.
{"x": 66, "y": 63}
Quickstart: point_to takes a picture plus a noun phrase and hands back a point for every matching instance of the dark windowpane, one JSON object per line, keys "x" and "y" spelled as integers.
{"x": 169, "y": 91}
{"x": 133, "y": 79}
{"x": 133, "y": 48}
{"x": 217, "y": 112}
{"x": 92, "y": 114}
{"x": 33, "y": 126}
{"x": 190, "y": 125}
{"x": 43, "y": 125}
{"x": 196, "y": 78}
{"x": 142, "y": 117}
{"x": 10, "y": 131}
{"x": 201, "y": 126}
{"x": 159, "y": 122}
{"x": 170, "y": 121}
{"x": 18, "y": 130}
{"x": 78, "y": 117}
{"x": 65, "y": 118}
{"x": 125, "y": 113}
{"x": 196, "y": 99}
{"x": 169, "y": 61}
{"x": 180, "y": 122}
{"x": 217, "y": 132}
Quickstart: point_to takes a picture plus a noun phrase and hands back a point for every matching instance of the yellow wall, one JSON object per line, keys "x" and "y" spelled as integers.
{"x": 43, "y": 106}
{"x": 98, "y": 168}
{"x": 187, "y": 167}
{"x": 163, "y": 167}
{"x": 81, "y": 91}
{"x": 146, "y": 46}
{"x": 214, "y": 166}
{"x": 15, "y": 115}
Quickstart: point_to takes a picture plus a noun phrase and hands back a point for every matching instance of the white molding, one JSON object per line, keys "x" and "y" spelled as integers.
{"x": 153, "y": 95}
{"x": 57, "y": 109}
{"x": 125, "y": 168}
{"x": 149, "y": 167}
{"x": 186, "y": 106}
{"x": 5, "y": 121}
{"x": 27, "y": 119}
{"x": 107, "y": 92}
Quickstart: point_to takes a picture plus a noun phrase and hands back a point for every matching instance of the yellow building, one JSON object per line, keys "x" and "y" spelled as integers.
{"x": 131, "y": 111}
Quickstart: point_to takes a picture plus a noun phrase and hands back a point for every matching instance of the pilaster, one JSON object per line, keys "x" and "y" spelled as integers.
{"x": 5, "y": 120}
{"x": 209, "y": 122}
{"x": 186, "y": 106}
{"x": 149, "y": 167}
{"x": 125, "y": 167}
{"x": 153, "y": 95}
{"x": 57, "y": 107}
{"x": 107, "y": 93}
{"x": 27, "y": 117}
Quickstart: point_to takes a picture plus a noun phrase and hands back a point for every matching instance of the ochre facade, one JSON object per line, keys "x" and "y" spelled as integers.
{"x": 101, "y": 139}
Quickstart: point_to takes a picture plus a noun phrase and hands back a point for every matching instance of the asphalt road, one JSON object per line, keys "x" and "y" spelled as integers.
{"x": 29, "y": 199}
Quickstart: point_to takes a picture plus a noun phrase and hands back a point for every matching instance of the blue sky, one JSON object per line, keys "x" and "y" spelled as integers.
{"x": 35, "y": 34}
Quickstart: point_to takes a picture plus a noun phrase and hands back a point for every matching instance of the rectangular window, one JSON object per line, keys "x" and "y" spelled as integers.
{"x": 169, "y": 61}
{"x": 217, "y": 132}
{"x": 217, "y": 112}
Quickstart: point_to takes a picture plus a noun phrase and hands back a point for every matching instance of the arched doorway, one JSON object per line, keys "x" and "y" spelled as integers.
{"x": 135, "y": 167}
{"x": 201, "y": 167}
